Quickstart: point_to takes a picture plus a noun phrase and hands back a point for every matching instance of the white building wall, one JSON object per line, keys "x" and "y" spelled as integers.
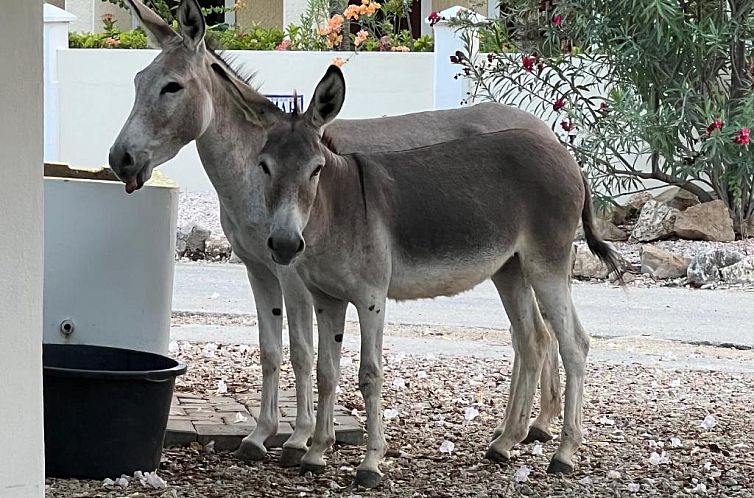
{"x": 97, "y": 93}
{"x": 21, "y": 227}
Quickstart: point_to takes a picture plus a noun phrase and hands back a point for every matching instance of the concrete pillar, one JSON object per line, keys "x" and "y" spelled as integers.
{"x": 450, "y": 91}
{"x": 21, "y": 263}
{"x": 56, "y": 24}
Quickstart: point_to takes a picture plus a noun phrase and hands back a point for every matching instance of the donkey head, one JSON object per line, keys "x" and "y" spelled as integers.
{"x": 291, "y": 160}
{"x": 173, "y": 103}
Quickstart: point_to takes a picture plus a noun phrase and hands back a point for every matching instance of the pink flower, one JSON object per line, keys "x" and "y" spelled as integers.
{"x": 716, "y": 125}
{"x": 434, "y": 18}
{"x": 558, "y": 105}
{"x": 742, "y": 137}
{"x": 567, "y": 125}
{"x": 528, "y": 62}
{"x": 557, "y": 20}
{"x": 360, "y": 37}
{"x": 284, "y": 45}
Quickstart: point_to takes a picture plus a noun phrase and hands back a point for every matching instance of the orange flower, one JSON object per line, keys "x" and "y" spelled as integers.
{"x": 400, "y": 48}
{"x": 338, "y": 62}
{"x": 352, "y": 12}
{"x": 360, "y": 37}
{"x": 335, "y": 22}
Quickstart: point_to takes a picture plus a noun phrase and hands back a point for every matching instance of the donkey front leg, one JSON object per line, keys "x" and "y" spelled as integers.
{"x": 371, "y": 321}
{"x": 269, "y": 301}
{"x": 331, "y": 320}
{"x": 298, "y": 306}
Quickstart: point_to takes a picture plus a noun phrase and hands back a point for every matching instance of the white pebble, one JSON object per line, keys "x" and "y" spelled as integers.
{"x": 522, "y": 474}
{"x": 447, "y": 446}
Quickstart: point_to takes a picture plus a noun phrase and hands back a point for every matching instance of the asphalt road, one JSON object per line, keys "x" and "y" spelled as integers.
{"x": 714, "y": 316}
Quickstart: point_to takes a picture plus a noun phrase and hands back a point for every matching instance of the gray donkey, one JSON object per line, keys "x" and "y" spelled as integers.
{"x": 187, "y": 93}
{"x": 426, "y": 222}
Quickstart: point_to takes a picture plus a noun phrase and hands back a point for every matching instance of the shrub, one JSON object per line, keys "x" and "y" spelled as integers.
{"x": 626, "y": 82}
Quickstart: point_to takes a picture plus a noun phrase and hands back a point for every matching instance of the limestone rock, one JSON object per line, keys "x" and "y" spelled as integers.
{"x": 739, "y": 273}
{"x": 217, "y": 249}
{"x": 677, "y": 198}
{"x": 196, "y": 241}
{"x": 655, "y": 222}
{"x": 662, "y": 264}
{"x": 586, "y": 264}
{"x": 635, "y": 204}
{"x": 608, "y": 231}
{"x": 180, "y": 242}
{"x": 706, "y": 265}
{"x": 708, "y": 221}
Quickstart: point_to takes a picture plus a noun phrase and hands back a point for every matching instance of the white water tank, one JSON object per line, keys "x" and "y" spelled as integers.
{"x": 109, "y": 260}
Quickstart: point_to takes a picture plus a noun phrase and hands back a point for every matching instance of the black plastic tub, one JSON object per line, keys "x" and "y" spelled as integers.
{"x": 105, "y": 410}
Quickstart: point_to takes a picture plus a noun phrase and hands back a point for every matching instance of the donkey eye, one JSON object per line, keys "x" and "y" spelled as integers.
{"x": 171, "y": 87}
{"x": 264, "y": 167}
{"x": 316, "y": 171}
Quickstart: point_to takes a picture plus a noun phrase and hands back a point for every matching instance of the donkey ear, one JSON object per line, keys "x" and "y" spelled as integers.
{"x": 328, "y": 98}
{"x": 192, "y": 23}
{"x": 160, "y": 32}
{"x": 257, "y": 109}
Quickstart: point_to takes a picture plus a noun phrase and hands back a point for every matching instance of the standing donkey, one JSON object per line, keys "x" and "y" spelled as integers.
{"x": 421, "y": 223}
{"x": 184, "y": 95}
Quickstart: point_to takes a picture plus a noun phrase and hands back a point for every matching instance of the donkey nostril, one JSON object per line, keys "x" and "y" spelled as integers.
{"x": 128, "y": 159}
{"x": 300, "y": 246}
{"x": 270, "y": 244}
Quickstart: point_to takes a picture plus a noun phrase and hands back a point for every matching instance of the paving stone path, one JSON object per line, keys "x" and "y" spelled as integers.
{"x": 227, "y": 420}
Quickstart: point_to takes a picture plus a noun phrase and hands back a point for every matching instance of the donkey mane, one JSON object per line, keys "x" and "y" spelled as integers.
{"x": 229, "y": 62}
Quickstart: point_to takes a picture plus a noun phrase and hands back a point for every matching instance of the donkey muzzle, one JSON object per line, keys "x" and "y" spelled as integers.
{"x": 284, "y": 248}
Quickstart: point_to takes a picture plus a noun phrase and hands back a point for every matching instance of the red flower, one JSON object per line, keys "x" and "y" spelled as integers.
{"x": 490, "y": 57}
{"x": 567, "y": 125}
{"x": 742, "y": 137}
{"x": 434, "y": 18}
{"x": 716, "y": 125}
{"x": 558, "y": 105}
{"x": 557, "y": 20}
{"x": 528, "y": 62}
{"x": 603, "y": 106}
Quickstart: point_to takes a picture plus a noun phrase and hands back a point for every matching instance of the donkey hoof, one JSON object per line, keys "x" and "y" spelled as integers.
{"x": 537, "y": 434}
{"x": 314, "y": 468}
{"x": 496, "y": 457}
{"x": 558, "y": 467}
{"x": 250, "y": 452}
{"x": 291, "y": 457}
{"x": 367, "y": 479}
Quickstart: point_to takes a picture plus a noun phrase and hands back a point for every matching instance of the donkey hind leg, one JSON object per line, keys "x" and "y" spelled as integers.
{"x": 550, "y": 403}
{"x": 549, "y": 386}
{"x": 552, "y": 286}
{"x": 269, "y": 300}
{"x": 531, "y": 344}
{"x": 331, "y": 320}
{"x": 298, "y": 305}
{"x": 514, "y": 383}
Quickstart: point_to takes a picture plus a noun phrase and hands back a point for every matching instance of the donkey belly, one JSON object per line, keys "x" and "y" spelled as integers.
{"x": 426, "y": 279}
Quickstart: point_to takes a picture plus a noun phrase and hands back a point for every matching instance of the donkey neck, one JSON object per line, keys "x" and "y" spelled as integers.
{"x": 228, "y": 149}
{"x": 342, "y": 195}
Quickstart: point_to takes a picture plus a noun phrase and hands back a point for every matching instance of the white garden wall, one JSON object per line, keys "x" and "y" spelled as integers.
{"x": 97, "y": 92}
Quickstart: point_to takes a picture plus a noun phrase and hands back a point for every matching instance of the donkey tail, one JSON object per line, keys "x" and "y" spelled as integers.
{"x": 599, "y": 247}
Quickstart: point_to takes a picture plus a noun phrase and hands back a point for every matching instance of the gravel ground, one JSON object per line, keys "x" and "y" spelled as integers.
{"x": 630, "y": 412}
